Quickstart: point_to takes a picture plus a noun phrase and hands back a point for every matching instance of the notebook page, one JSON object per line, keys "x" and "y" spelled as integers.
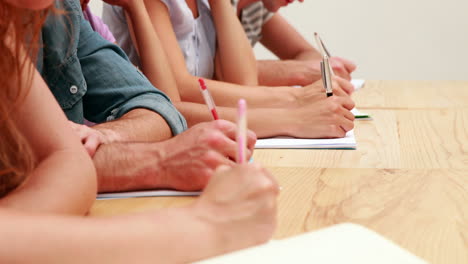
{"x": 347, "y": 142}
{"x": 343, "y": 243}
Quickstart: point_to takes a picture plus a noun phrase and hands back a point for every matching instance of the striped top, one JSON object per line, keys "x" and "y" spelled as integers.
{"x": 252, "y": 18}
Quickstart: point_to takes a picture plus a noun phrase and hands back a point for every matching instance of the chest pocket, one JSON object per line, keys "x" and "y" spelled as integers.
{"x": 67, "y": 82}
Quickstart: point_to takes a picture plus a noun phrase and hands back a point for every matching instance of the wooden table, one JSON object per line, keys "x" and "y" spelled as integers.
{"x": 407, "y": 180}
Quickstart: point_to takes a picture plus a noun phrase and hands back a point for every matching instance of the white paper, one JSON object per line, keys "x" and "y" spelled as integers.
{"x": 347, "y": 142}
{"x": 343, "y": 243}
{"x": 360, "y": 115}
{"x": 155, "y": 193}
{"x": 358, "y": 83}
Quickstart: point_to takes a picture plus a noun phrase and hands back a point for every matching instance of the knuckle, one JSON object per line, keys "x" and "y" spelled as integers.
{"x": 334, "y": 130}
{"x": 334, "y": 107}
{"x": 210, "y": 156}
{"x": 215, "y": 140}
{"x": 267, "y": 185}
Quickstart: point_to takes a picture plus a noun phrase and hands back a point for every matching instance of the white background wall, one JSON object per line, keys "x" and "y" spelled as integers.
{"x": 388, "y": 39}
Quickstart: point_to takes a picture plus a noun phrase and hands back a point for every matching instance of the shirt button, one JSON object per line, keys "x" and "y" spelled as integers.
{"x": 73, "y": 89}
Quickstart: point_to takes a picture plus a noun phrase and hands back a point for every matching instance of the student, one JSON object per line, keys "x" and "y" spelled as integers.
{"x": 45, "y": 175}
{"x": 299, "y": 62}
{"x": 96, "y": 22}
{"x": 92, "y": 78}
{"x": 304, "y": 112}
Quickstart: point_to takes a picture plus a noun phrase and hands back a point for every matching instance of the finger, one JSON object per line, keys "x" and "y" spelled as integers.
{"x": 346, "y": 102}
{"x": 272, "y": 179}
{"x": 349, "y": 65}
{"x": 227, "y": 127}
{"x": 345, "y": 84}
{"x": 227, "y": 140}
{"x": 338, "y": 90}
{"x": 222, "y": 168}
{"x": 91, "y": 144}
{"x": 213, "y": 159}
{"x": 251, "y": 139}
{"x": 348, "y": 115}
{"x": 346, "y": 124}
{"x": 341, "y": 71}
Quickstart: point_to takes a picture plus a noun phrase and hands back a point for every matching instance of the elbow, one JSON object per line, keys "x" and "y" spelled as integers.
{"x": 85, "y": 185}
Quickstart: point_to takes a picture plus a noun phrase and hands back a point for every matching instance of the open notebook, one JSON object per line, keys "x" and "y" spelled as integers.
{"x": 344, "y": 243}
{"x": 348, "y": 142}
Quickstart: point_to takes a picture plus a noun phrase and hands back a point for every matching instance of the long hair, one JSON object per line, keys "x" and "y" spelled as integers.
{"x": 23, "y": 26}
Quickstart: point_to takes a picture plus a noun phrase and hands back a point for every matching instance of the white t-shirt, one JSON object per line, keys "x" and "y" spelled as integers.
{"x": 196, "y": 36}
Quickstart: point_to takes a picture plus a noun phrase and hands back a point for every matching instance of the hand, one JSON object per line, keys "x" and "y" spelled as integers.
{"x": 188, "y": 160}
{"x": 326, "y": 118}
{"x": 316, "y": 91}
{"x": 92, "y": 138}
{"x": 239, "y": 204}
{"x": 310, "y": 72}
{"x": 342, "y": 67}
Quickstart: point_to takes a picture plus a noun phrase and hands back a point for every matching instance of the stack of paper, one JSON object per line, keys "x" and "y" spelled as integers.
{"x": 348, "y": 142}
{"x": 344, "y": 243}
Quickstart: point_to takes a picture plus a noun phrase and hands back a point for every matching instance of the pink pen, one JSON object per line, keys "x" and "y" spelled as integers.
{"x": 208, "y": 99}
{"x": 241, "y": 131}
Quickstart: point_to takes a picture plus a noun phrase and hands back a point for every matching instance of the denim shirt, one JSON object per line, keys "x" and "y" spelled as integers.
{"x": 92, "y": 78}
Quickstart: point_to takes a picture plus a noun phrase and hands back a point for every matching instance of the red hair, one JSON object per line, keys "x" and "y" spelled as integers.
{"x": 19, "y": 32}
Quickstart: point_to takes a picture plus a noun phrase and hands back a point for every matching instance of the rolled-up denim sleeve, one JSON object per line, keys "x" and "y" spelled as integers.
{"x": 115, "y": 86}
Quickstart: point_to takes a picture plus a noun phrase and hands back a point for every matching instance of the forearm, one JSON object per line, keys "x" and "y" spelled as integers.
{"x": 286, "y": 73}
{"x": 237, "y": 60}
{"x": 136, "y": 239}
{"x": 258, "y": 120}
{"x": 136, "y": 125}
{"x": 154, "y": 63}
{"x": 308, "y": 54}
{"x": 228, "y": 94}
{"x": 63, "y": 183}
{"x": 127, "y": 166}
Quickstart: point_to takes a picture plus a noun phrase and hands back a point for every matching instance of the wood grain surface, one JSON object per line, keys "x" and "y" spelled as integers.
{"x": 407, "y": 180}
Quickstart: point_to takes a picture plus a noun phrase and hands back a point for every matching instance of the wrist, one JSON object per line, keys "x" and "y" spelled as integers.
{"x": 304, "y": 73}
{"x": 128, "y": 166}
{"x": 217, "y": 237}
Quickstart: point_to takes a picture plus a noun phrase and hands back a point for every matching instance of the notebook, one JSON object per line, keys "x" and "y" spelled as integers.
{"x": 360, "y": 115}
{"x": 154, "y": 193}
{"x": 343, "y": 243}
{"x": 358, "y": 83}
{"x": 347, "y": 142}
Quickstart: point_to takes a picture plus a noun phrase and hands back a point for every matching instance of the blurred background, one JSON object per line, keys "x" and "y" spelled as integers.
{"x": 388, "y": 39}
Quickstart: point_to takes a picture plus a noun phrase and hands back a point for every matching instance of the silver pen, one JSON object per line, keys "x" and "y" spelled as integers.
{"x": 323, "y": 49}
{"x": 326, "y": 75}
